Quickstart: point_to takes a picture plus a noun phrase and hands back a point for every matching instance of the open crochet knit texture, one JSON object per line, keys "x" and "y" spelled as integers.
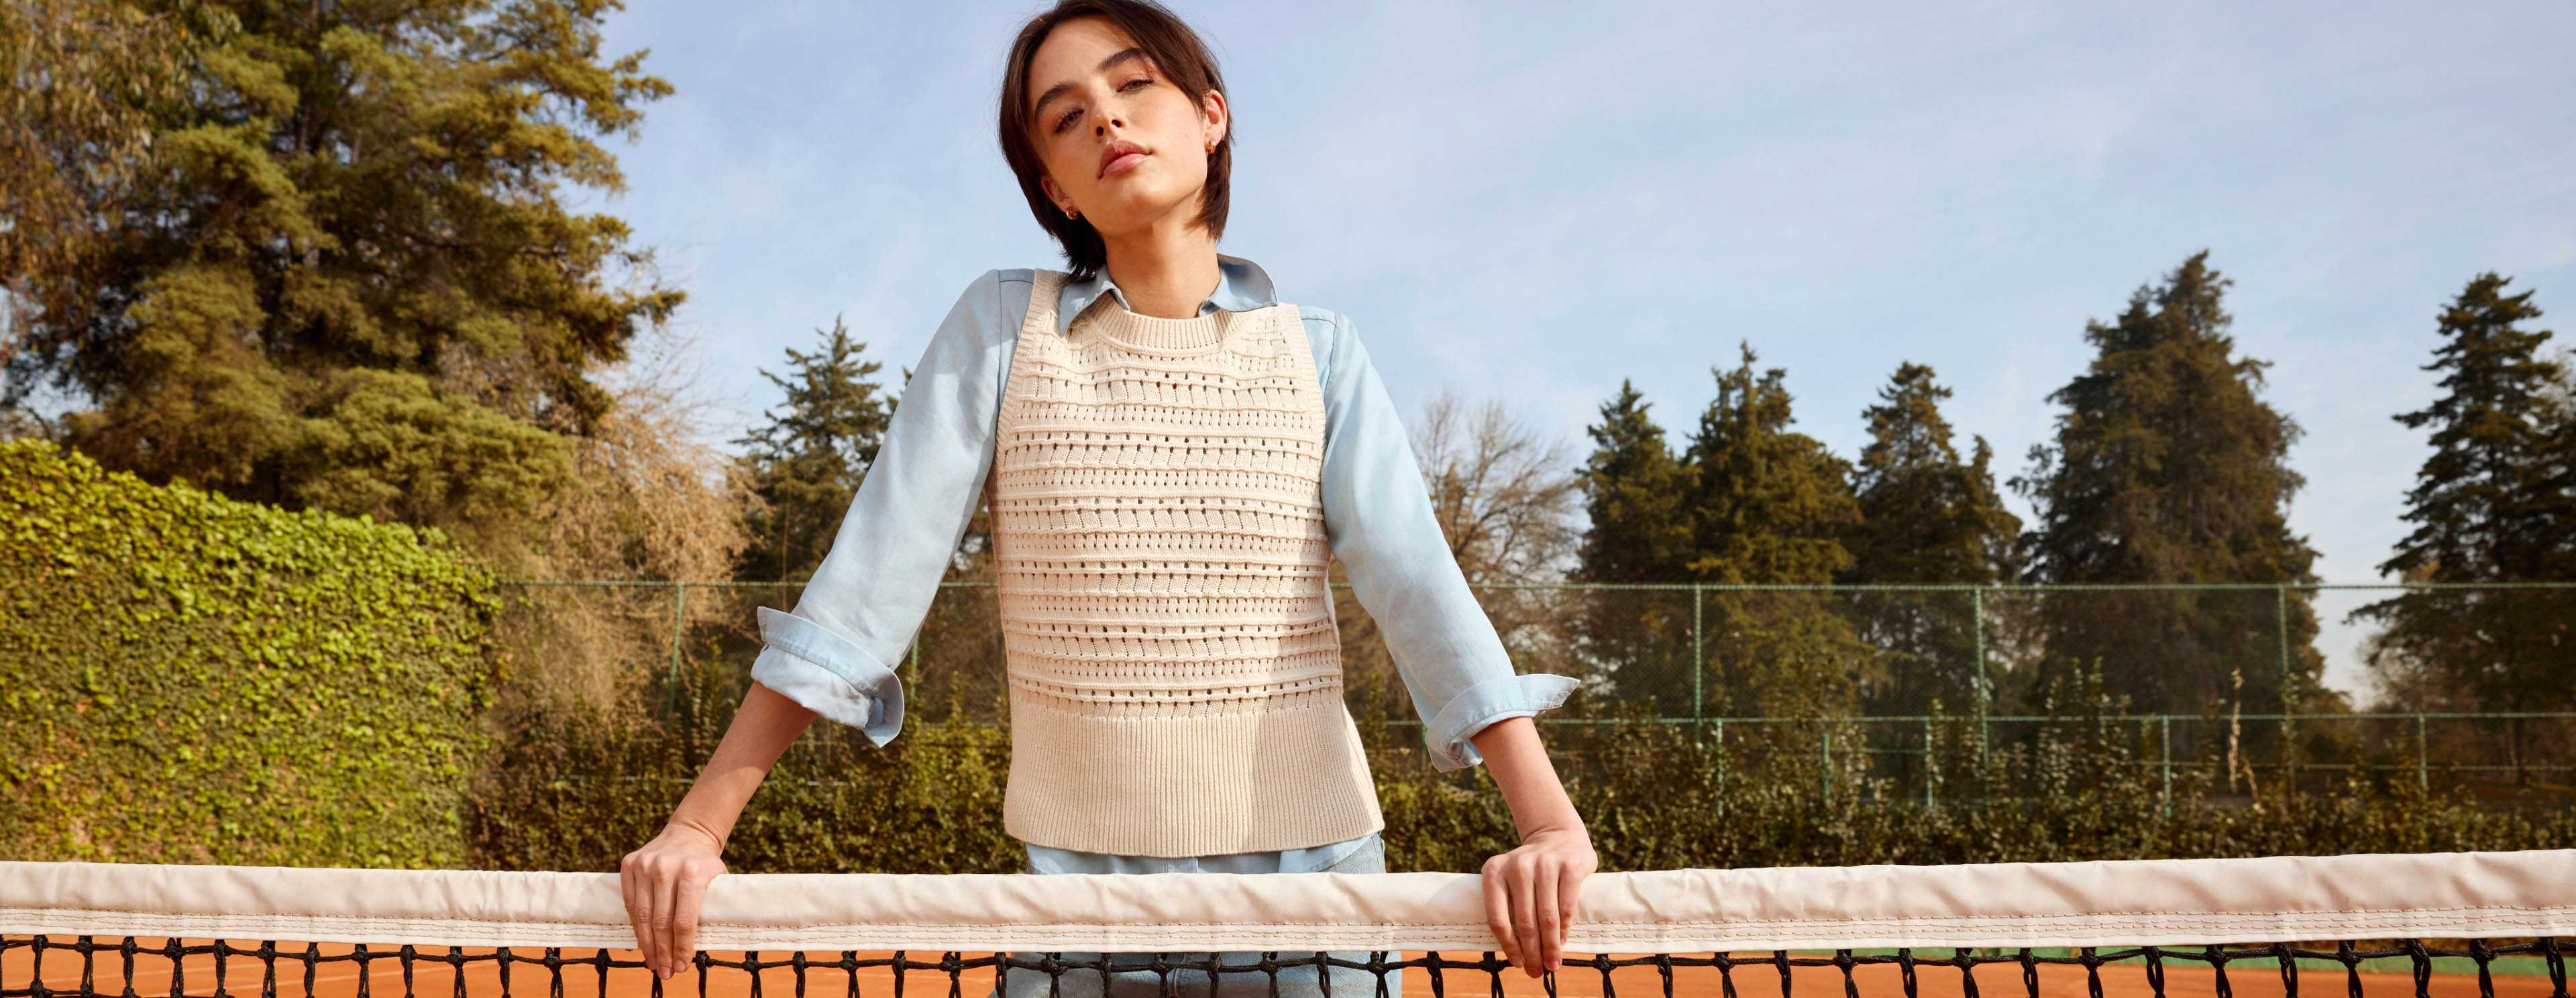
{"x": 1175, "y": 674}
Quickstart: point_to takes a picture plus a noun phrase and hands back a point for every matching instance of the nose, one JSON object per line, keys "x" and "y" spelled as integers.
{"x": 1107, "y": 120}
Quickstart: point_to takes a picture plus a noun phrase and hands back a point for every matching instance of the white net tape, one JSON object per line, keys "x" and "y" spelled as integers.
{"x": 2131, "y": 903}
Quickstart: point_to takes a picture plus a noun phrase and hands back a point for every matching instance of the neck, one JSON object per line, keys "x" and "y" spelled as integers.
{"x": 1167, "y": 268}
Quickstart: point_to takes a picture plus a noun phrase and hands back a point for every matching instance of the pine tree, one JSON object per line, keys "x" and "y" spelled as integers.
{"x": 1769, "y": 506}
{"x": 1636, "y": 492}
{"x": 1926, "y": 517}
{"x": 808, "y": 460}
{"x": 2493, "y": 503}
{"x": 2166, "y": 467}
{"x": 346, "y": 275}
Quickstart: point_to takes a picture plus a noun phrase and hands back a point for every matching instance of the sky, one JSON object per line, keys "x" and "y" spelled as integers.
{"x": 1534, "y": 202}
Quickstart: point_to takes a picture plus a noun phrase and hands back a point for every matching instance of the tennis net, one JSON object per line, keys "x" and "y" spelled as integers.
{"x": 2435, "y": 924}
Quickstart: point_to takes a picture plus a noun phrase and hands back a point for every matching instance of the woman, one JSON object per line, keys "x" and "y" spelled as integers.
{"x": 1170, "y": 456}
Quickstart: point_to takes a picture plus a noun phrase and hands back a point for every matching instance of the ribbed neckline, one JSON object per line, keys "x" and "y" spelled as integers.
{"x": 1163, "y": 337}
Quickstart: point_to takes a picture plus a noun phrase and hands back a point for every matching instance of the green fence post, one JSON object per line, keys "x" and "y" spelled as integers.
{"x": 2164, "y": 760}
{"x": 1977, "y": 613}
{"x": 1928, "y": 803}
{"x": 2289, "y": 727}
{"x": 1720, "y": 748}
{"x": 1699, "y": 660}
{"x": 679, "y": 613}
{"x": 2423, "y": 762}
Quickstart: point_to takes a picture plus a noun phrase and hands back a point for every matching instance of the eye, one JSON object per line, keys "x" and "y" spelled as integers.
{"x": 1067, "y": 119}
{"x": 1136, "y": 84}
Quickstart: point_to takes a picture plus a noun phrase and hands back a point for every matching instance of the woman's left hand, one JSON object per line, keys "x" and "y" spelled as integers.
{"x": 1530, "y": 893}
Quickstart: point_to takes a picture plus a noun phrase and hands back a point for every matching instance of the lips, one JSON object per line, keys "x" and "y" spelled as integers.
{"x": 1121, "y": 156}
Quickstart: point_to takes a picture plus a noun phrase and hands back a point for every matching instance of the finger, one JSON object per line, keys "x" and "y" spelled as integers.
{"x": 666, "y": 906}
{"x": 639, "y": 912}
{"x": 1498, "y": 911}
{"x": 648, "y": 897}
{"x": 1569, "y": 893}
{"x": 1551, "y": 928}
{"x": 1525, "y": 919}
{"x": 684, "y": 917}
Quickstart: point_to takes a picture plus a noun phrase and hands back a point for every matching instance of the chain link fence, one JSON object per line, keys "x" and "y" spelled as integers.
{"x": 1889, "y": 691}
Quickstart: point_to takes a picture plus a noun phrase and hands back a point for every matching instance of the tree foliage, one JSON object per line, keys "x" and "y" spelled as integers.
{"x": 1769, "y": 505}
{"x": 345, "y": 276}
{"x": 648, "y": 499}
{"x": 2167, "y": 466}
{"x": 1747, "y": 501}
{"x": 1635, "y": 494}
{"x": 83, "y": 79}
{"x": 2495, "y": 502}
{"x": 1926, "y": 516}
{"x": 807, "y": 461}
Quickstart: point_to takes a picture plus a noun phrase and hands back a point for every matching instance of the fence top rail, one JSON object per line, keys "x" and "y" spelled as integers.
{"x": 1715, "y": 587}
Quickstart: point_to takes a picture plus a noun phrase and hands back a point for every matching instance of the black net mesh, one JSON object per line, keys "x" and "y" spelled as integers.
{"x": 131, "y": 967}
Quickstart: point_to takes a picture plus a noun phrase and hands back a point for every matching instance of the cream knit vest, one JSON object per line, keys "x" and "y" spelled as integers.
{"x": 1158, "y": 525}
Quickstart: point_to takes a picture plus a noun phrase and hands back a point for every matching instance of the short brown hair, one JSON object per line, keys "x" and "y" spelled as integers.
{"x": 1178, "y": 55}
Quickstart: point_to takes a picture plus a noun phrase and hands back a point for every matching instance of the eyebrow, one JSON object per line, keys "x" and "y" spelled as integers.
{"x": 1038, "y": 110}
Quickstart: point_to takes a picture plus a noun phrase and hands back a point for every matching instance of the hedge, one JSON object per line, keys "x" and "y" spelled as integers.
{"x": 576, "y": 792}
{"x": 189, "y": 679}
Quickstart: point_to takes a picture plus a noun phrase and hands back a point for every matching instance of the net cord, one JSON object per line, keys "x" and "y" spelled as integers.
{"x": 2163, "y": 903}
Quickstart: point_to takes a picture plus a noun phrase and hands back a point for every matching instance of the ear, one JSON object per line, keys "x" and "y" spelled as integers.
{"x": 1214, "y": 116}
{"x": 1053, "y": 192}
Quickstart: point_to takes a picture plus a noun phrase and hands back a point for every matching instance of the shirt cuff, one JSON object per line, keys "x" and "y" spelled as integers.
{"x": 828, "y": 674}
{"x": 1482, "y": 705}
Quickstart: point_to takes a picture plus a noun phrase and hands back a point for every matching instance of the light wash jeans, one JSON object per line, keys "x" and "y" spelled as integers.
{"x": 1294, "y": 982}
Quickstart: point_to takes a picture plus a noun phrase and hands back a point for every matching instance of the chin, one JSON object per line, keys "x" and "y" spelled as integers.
{"x": 1135, "y": 209}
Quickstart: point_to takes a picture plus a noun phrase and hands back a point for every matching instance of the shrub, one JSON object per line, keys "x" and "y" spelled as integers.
{"x": 189, "y": 679}
{"x": 578, "y": 788}
{"x": 577, "y": 792}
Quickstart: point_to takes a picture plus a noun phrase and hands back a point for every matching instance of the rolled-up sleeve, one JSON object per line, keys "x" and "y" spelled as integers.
{"x": 834, "y": 654}
{"x": 1378, "y": 515}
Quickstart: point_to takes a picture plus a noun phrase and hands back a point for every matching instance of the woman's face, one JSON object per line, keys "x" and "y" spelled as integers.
{"x": 1121, "y": 144}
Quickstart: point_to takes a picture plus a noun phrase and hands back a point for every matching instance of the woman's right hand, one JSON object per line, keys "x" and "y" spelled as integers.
{"x": 664, "y": 883}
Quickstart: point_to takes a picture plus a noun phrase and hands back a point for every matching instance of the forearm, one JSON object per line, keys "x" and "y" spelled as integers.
{"x": 1519, "y": 764}
{"x": 767, "y": 723}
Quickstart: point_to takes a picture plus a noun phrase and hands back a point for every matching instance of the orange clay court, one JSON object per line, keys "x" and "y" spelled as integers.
{"x": 242, "y": 975}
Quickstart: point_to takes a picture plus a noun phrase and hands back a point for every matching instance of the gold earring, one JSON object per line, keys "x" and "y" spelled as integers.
{"x": 1070, "y": 213}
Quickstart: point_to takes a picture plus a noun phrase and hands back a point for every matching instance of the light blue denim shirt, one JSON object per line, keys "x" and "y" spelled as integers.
{"x": 859, "y": 612}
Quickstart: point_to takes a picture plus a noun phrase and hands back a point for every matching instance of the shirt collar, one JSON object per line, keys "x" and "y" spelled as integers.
{"x": 1241, "y": 287}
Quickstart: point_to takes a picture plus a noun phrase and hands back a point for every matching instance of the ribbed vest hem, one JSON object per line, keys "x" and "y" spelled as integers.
{"x": 1188, "y": 786}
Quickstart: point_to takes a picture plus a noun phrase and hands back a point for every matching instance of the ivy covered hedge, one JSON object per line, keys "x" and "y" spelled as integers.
{"x": 189, "y": 679}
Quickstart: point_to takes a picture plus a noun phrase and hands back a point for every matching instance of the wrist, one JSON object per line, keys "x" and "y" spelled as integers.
{"x": 685, "y": 831}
